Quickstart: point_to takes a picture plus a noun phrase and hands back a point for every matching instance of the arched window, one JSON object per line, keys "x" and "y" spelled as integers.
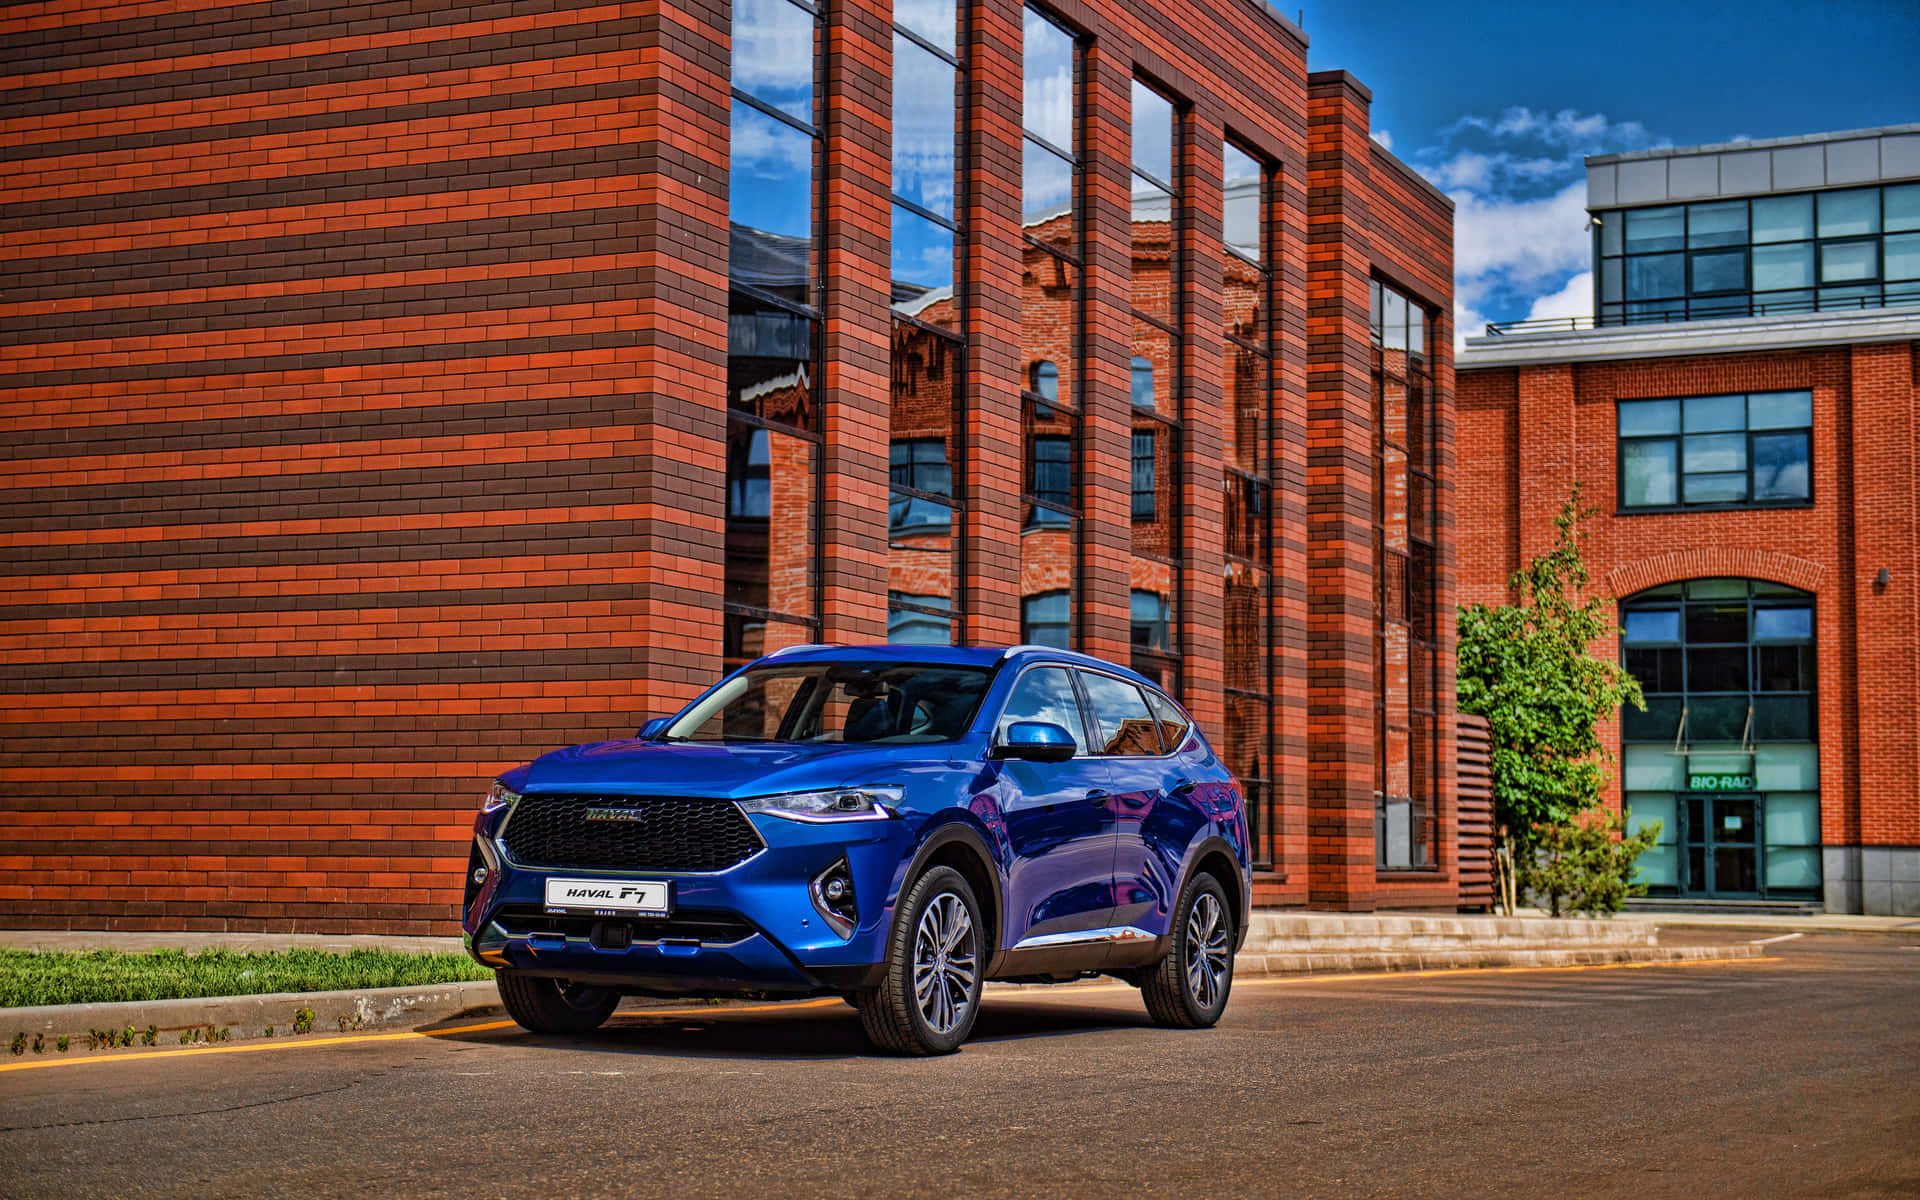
{"x": 1724, "y": 757}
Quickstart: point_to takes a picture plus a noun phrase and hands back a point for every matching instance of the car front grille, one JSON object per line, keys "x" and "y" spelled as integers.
{"x": 665, "y": 833}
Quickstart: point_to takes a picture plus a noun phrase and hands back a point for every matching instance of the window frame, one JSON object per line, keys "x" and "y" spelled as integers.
{"x": 1678, "y": 440}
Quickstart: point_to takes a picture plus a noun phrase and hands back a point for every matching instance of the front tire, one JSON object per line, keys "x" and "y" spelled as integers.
{"x": 542, "y": 1005}
{"x": 1188, "y": 988}
{"x": 930, "y": 994}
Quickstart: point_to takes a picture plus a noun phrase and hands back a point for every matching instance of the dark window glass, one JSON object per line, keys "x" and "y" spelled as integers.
{"x": 1780, "y": 466}
{"x": 1143, "y": 474}
{"x": 1652, "y": 276}
{"x": 1658, "y": 669}
{"x": 1716, "y": 623}
{"x": 1046, "y": 620}
{"x": 1052, "y": 469}
{"x": 1045, "y": 380}
{"x": 1783, "y": 625}
{"x": 1719, "y": 669}
{"x": 1150, "y": 613}
{"x": 1045, "y": 694}
{"x": 920, "y": 464}
{"x": 1720, "y": 271}
{"x": 1126, "y": 724}
{"x": 1784, "y": 668}
{"x": 909, "y": 514}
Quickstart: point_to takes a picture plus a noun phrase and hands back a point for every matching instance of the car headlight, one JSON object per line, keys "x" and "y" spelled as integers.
{"x": 499, "y": 796}
{"x": 839, "y": 804}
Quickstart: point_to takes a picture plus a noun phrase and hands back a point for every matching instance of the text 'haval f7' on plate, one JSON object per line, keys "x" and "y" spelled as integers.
{"x": 892, "y": 824}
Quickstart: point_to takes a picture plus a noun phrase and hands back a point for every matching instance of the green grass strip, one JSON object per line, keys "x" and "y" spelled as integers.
{"x": 31, "y": 977}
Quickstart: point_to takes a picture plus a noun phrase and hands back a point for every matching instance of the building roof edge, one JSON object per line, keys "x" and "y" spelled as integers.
{"x": 1804, "y": 139}
{"x": 1688, "y": 338}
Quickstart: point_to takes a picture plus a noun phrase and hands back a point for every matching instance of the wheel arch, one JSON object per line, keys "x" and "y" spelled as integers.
{"x": 958, "y": 845}
{"x": 1215, "y": 856}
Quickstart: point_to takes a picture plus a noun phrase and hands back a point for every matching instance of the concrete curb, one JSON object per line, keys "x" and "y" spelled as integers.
{"x": 1252, "y": 965}
{"x": 225, "y": 1018}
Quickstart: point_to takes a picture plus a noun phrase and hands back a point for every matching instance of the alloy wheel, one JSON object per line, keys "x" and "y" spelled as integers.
{"x": 945, "y": 963}
{"x": 1207, "y": 951}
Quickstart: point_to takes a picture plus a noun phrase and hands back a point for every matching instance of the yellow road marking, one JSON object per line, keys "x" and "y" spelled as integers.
{"x": 253, "y": 1047}
{"x": 1066, "y": 994}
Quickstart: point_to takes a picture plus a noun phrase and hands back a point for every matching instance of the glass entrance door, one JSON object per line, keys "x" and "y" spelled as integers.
{"x": 1723, "y": 846}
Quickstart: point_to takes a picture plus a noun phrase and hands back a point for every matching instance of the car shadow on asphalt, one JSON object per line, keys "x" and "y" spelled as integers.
{"x": 813, "y": 1032}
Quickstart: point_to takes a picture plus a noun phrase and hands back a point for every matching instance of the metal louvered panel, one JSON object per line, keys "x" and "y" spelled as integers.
{"x": 657, "y": 833}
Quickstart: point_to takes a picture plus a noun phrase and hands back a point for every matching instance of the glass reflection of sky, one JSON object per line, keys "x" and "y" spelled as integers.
{"x": 1047, "y": 95}
{"x": 772, "y": 165}
{"x": 922, "y": 254}
{"x": 923, "y": 127}
{"x": 934, "y": 20}
{"x": 1152, "y": 132}
{"x": 773, "y": 55}
{"x": 1046, "y": 184}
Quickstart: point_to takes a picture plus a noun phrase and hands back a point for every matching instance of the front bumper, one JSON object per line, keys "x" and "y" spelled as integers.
{"x": 752, "y": 929}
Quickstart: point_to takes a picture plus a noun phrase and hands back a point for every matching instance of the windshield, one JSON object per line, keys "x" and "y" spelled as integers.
{"x": 875, "y": 703}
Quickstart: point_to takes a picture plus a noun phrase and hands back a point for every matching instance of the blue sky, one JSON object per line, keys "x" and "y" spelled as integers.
{"x": 1499, "y": 103}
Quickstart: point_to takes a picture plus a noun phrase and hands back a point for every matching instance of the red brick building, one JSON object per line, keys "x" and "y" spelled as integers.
{"x": 394, "y": 392}
{"x": 1744, "y": 416}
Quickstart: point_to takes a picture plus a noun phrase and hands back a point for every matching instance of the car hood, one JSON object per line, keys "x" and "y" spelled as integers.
{"x": 735, "y": 771}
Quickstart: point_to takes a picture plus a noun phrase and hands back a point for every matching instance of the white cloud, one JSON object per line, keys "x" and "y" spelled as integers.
{"x": 1573, "y": 300}
{"x": 1518, "y": 182}
{"x": 1384, "y": 138}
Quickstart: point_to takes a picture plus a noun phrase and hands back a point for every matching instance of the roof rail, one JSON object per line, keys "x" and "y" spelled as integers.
{"x": 796, "y": 649}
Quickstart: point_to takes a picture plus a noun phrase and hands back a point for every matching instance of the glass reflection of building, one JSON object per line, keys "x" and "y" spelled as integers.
{"x": 773, "y": 442}
{"x": 1050, "y": 331}
{"x": 1406, "y": 640}
{"x": 924, "y": 508}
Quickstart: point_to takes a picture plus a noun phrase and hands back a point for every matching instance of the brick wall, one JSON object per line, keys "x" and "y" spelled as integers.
{"x": 364, "y": 400}
{"x": 1863, "y": 518}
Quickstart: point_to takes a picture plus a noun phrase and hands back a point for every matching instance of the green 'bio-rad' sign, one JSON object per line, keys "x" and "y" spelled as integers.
{"x": 1719, "y": 783}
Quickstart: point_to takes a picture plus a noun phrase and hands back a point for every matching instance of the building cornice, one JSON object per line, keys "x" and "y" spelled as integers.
{"x": 1676, "y": 339}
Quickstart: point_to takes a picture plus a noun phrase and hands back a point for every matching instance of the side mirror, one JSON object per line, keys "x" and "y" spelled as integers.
{"x": 653, "y": 729}
{"x": 1036, "y": 741}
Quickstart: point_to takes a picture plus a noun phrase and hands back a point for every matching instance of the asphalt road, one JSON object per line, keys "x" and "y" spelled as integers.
{"x": 1798, "y": 1075}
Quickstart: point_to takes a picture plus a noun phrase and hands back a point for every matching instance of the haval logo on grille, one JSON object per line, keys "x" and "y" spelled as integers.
{"x": 613, "y": 814}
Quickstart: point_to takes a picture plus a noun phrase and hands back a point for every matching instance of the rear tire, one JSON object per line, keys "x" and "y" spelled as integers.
{"x": 1188, "y": 989}
{"x": 542, "y": 1005}
{"x": 930, "y": 993}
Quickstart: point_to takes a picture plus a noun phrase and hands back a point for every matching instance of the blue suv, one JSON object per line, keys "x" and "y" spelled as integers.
{"x": 891, "y": 824}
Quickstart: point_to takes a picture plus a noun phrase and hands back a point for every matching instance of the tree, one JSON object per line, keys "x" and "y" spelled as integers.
{"x": 1527, "y": 668}
{"x": 1587, "y": 865}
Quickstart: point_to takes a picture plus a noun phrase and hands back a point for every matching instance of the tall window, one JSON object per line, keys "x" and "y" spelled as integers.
{"x": 1158, "y": 389}
{"x": 771, "y": 595}
{"x": 1716, "y": 450}
{"x": 1856, "y": 248}
{"x": 1247, "y": 283}
{"x": 1406, "y": 637}
{"x": 928, "y": 324}
{"x": 1049, "y": 327}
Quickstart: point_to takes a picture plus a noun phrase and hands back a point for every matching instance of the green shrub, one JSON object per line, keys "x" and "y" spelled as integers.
{"x": 1586, "y": 866}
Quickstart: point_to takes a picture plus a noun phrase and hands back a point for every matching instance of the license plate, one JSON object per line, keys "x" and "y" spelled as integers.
{"x": 610, "y": 896}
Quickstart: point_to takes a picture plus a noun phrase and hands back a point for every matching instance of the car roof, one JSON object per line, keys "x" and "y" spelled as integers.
{"x": 969, "y": 656}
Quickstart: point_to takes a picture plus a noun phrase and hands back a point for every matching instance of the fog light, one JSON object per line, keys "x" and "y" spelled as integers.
{"x": 833, "y": 898}
{"x": 479, "y": 875}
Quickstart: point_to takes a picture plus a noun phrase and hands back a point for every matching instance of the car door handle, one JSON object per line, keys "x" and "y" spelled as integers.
{"x": 1185, "y": 787}
{"x": 1096, "y": 796}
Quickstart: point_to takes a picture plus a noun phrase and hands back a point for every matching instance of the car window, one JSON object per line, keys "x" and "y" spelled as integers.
{"x": 1126, "y": 725}
{"x": 1045, "y": 694}
{"x": 837, "y": 701}
{"x": 1173, "y": 723}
